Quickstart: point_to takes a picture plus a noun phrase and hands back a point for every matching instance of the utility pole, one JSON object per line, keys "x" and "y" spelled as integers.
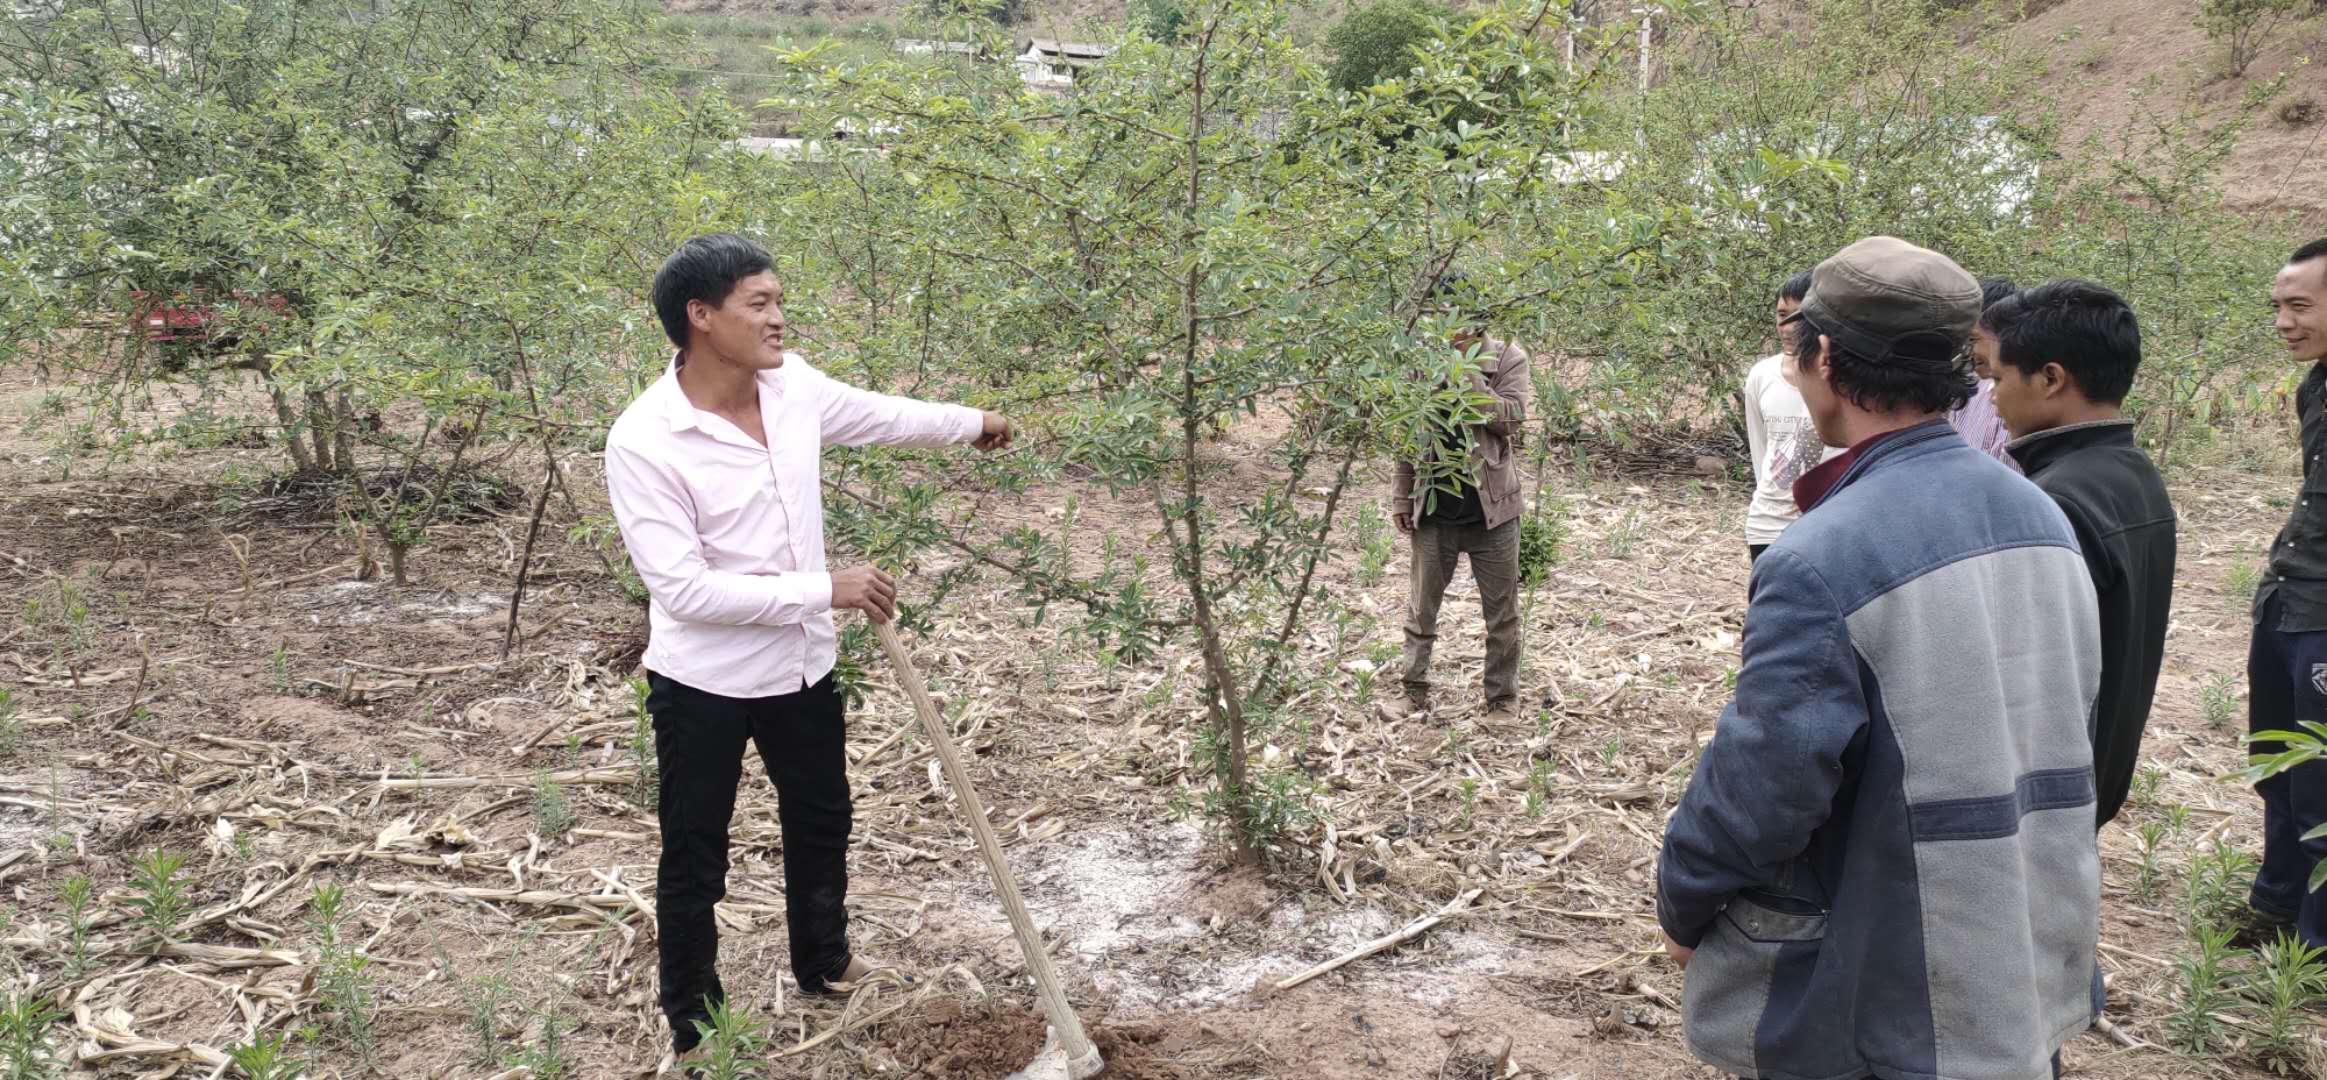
{"x": 1648, "y": 14}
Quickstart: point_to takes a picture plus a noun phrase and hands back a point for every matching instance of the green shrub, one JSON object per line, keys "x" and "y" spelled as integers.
{"x": 1159, "y": 20}
{"x": 2288, "y": 980}
{"x": 1541, "y": 536}
{"x": 266, "y": 1057}
{"x": 2202, "y": 977}
{"x": 552, "y": 813}
{"x": 2244, "y": 27}
{"x": 25, "y": 1050}
{"x": 159, "y": 894}
{"x": 1376, "y": 42}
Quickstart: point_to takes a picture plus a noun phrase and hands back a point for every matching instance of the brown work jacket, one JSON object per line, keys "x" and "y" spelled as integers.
{"x": 1503, "y": 373}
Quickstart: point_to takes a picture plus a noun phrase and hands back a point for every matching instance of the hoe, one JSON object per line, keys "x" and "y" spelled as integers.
{"x": 1067, "y": 1054}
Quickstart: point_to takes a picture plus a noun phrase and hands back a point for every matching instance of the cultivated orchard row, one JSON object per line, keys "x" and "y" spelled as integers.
{"x": 424, "y": 236}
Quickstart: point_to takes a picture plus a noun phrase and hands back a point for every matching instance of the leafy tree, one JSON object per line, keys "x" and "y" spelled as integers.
{"x": 2245, "y": 27}
{"x": 1753, "y": 159}
{"x": 418, "y": 228}
{"x": 1141, "y": 263}
{"x": 1377, "y": 41}
{"x": 1158, "y": 20}
{"x": 2143, "y": 213}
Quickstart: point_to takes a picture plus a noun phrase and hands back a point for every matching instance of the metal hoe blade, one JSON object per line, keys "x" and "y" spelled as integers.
{"x": 1053, "y": 1064}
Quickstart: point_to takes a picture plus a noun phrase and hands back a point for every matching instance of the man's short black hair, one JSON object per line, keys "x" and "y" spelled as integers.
{"x": 2316, "y": 249}
{"x": 1926, "y": 381}
{"x": 705, "y": 268}
{"x": 2085, "y": 328}
{"x": 1993, "y": 289}
{"x": 1795, "y": 288}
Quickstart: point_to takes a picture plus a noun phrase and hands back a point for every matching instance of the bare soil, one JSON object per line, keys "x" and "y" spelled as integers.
{"x": 293, "y": 727}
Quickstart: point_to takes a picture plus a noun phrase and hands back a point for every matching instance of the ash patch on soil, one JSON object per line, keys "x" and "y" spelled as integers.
{"x": 367, "y": 603}
{"x": 1158, "y": 926}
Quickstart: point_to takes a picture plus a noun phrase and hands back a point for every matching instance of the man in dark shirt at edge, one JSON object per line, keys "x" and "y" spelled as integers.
{"x": 2286, "y": 668}
{"x": 2065, "y": 354}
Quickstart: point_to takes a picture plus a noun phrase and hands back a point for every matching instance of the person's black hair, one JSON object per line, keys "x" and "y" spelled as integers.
{"x": 1993, "y": 289}
{"x": 2085, "y": 328}
{"x": 2316, "y": 249}
{"x": 705, "y": 268}
{"x": 1918, "y": 375}
{"x": 1795, "y": 288}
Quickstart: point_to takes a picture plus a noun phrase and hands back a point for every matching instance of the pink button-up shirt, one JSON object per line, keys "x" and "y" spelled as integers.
{"x": 729, "y": 535}
{"x": 1980, "y": 426}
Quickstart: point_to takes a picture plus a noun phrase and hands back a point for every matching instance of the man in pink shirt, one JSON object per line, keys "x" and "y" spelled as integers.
{"x": 714, "y": 476}
{"x": 1976, "y": 419}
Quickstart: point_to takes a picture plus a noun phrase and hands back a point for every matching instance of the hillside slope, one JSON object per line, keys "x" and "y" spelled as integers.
{"x": 2108, "y": 53}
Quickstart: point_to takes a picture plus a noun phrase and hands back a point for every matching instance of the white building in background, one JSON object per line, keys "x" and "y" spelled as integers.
{"x": 775, "y": 148}
{"x": 918, "y": 47}
{"x": 1046, "y": 63}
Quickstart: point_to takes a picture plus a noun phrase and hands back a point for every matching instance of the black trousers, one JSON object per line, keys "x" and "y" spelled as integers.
{"x": 2286, "y": 672}
{"x": 1753, "y": 552}
{"x": 698, "y": 741}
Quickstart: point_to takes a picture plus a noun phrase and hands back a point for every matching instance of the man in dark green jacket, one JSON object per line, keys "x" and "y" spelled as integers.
{"x": 2065, "y": 357}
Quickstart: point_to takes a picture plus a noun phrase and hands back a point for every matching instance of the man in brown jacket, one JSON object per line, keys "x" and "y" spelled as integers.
{"x": 1478, "y": 517}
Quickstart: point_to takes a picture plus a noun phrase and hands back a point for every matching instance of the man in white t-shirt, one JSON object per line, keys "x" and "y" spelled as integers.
{"x": 1778, "y": 434}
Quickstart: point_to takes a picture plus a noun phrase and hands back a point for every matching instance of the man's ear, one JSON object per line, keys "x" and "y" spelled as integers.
{"x": 2056, "y": 379}
{"x": 699, "y": 315}
{"x": 1817, "y": 366}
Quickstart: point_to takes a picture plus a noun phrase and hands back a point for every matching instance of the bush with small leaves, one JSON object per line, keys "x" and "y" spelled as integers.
{"x": 2215, "y": 898}
{"x": 2149, "y": 839}
{"x": 2289, "y": 978}
{"x": 732, "y": 1041}
{"x": 26, "y": 1052}
{"x": 1376, "y": 42}
{"x": 343, "y": 974}
{"x": 2148, "y": 782}
{"x": 2218, "y": 701}
{"x": 76, "y": 894}
{"x": 2241, "y": 582}
{"x": 552, "y": 814}
{"x": 267, "y": 1057}
{"x": 159, "y": 894}
{"x": 2244, "y": 27}
{"x": 1375, "y": 545}
{"x": 2202, "y": 979}
{"x": 1541, "y": 535}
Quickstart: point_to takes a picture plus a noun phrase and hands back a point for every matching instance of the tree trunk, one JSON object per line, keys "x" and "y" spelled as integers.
{"x": 318, "y": 425}
{"x": 301, "y": 459}
{"x": 549, "y": 480}
{"x": 396, "y": 562}
{"x": 343, "y": 437}
{"x": 1223, "y": 705}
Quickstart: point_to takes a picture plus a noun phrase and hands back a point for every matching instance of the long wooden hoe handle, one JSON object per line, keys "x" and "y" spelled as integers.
{"x": 1063, "y": 1021}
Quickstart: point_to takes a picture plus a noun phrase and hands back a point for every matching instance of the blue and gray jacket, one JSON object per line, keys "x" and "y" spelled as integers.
{"x": 1885, "y": 859}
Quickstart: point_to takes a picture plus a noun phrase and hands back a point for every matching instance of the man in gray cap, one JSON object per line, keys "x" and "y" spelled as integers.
{"x": 1885, "y": 864}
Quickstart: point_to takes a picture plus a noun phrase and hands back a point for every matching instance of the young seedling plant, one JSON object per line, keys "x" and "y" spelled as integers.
{"x": 159, "y": 894}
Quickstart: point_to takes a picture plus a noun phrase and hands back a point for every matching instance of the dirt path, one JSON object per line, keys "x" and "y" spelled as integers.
{"x": 314, "y": 730}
